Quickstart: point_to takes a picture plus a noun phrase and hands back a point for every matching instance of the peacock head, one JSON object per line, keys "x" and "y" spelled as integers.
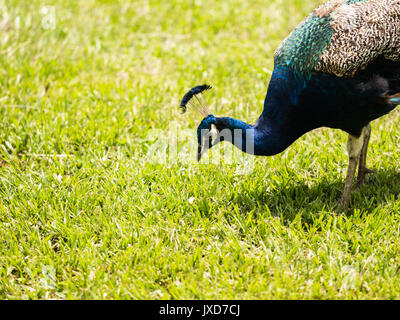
{"x": 207, "y": 135}
{"x": 206, "y": 131}
{"x": 212, "y": 130}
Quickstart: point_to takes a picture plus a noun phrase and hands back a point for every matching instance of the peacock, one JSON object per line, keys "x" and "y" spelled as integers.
{"x": 340, "y": 68}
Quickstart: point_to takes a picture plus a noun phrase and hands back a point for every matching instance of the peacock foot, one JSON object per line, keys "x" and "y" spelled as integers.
{"x": 361, "y": 177}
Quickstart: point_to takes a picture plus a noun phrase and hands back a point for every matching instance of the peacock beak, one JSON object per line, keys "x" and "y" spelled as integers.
{"x": 208, "y": 140}
{"x": 199, "y": 153}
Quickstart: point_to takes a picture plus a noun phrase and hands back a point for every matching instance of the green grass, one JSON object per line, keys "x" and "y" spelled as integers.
{"x": 85, "y": 214}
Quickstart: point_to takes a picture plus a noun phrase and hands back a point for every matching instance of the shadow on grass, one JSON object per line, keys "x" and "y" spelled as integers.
{"x": 323, "y": 196}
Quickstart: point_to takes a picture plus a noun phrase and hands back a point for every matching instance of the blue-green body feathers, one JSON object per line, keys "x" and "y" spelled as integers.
{"x": 301, "y": 51}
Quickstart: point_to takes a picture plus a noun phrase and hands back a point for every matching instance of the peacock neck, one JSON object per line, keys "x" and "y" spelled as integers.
{"x": 251, "y": 139}
{"x": 277, "y": 128}
{"x": 283, "y": 119}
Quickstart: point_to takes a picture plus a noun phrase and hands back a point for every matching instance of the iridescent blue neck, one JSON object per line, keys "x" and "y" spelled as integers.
{"x": 251, "y": 139}
{"x": 276, "y": 128}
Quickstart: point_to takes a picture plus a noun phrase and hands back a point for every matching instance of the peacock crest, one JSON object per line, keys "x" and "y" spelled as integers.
{"x": 194, "y": 99}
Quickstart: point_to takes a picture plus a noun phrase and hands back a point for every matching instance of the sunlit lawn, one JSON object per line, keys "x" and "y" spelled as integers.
{"x": 88, "y": 211}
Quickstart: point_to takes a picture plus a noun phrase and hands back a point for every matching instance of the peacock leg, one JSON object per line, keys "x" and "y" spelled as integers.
{"x": 362, "y": 165}
{"x": 354, "y": 147}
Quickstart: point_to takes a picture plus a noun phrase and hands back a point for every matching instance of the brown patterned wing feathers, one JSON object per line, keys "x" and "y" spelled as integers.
{"x": 362, "y": 31}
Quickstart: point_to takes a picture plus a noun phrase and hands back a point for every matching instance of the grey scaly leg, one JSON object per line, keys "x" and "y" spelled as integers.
{"x": 362, "y": 165}
{"x": 354, "y": 147}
